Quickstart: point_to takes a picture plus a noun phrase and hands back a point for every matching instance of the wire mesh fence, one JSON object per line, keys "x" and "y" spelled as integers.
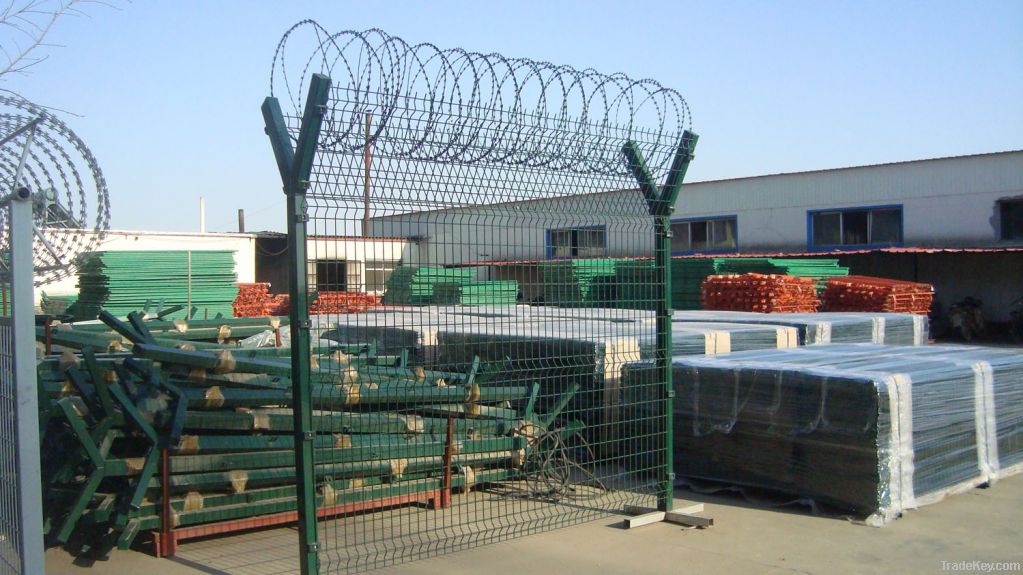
{"x": 10, "y": 522}
{"x": 456, "y": 221}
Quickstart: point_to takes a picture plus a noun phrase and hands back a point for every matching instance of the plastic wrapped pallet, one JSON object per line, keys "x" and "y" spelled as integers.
{"x": 871, "y": 430}
{"x": 814, "y": 328}
{"x": 713, "y": 338}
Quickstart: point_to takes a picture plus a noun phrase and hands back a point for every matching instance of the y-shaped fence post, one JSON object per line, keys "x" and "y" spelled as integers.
{"x": 661, "y": 203}
{"x": 295, "y": 165}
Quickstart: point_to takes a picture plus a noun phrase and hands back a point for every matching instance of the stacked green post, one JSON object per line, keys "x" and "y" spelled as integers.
{"x": 498, "y": 292}
{"x": 580, "y": 283}
{"x": 415, "y": 285}
{"x": 123, "y": 282}
{"x": 225, "y": 414}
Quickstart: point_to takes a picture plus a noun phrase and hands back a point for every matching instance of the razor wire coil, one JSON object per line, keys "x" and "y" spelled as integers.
{"x": 71, "y": 201}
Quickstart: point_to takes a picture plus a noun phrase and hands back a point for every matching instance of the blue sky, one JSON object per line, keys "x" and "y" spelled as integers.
{"x": 169, "y": 91}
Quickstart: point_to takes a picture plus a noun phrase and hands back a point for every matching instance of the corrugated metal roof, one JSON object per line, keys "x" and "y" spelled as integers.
{"x": 906, "y": 250}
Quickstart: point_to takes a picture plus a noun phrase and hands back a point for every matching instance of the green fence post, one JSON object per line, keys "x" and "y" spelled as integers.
{"x": 661, "y": 203}
{"x": 295, "y": 166}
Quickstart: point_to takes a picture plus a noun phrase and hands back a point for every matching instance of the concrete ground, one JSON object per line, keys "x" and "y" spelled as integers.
{"x": 981, "y": 525}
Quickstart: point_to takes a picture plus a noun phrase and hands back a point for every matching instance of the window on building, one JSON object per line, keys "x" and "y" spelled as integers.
{"x": 588, "y": 242}
{"x": 377, "y": 274}
{"x": 715, "y": 234}
{"x": 331, "y": 275}
{"x": 1011, "y": 212}
{"x": 856, "y": 227}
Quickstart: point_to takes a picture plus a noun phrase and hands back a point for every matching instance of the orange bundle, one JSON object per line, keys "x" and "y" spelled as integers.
{"x": 253, "y": 300}
{"x": 280, "y": 304}
{"x": 760, "y": 293}
{"x": 343, "y": 302}
{"x": 865, "y": 293}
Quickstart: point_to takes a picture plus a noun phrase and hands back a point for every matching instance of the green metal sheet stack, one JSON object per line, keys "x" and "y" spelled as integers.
{"x": 122, "y": 282}
{"x": 498, "y": 292}
{"x": 415, "y": 285}
{"x": 803, "y": 267}
{"x": 56, "y": 304}
{"x": 580, "y": 282}
{"x": 637, "y": 284}
{"x": 687, "y": 275}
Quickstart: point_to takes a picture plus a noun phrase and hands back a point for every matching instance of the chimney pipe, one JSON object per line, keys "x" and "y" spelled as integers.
{"x": 241, "y": 221}
{"x": 202, "y": 215}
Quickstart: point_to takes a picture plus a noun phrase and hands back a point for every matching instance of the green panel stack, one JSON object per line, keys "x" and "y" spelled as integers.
{"x": 637, "y": 284}
{"x": 687, "y": 275}
{"x": 501, "y": 292}
{"x": 415, "y": 285}
{"x": 817, "y": 269}
{"x": 123, "y": 282}
{"x": 53, "y": 304}
{"x": 580, "y": 283}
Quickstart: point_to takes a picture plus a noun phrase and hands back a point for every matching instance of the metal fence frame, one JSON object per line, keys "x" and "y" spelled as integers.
{"x": 21, "y": 523}
{"x": 295, "y": 164}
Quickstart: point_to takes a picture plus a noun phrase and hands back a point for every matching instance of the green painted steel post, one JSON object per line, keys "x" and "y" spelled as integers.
{"x": 296, "y": 167}
{"x": 661, "y": 204}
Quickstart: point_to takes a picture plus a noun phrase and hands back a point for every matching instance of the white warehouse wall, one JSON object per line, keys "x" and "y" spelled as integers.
{"x": 518, "y": 231}
{"x": 946, "y": 202}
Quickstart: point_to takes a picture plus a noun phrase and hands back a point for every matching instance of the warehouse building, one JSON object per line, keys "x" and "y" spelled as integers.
{"x": 955, "y": 222}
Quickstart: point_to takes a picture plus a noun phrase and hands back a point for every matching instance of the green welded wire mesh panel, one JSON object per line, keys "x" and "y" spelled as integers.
{"x": 121, "y": 282}
{"x": 488, "y": 201}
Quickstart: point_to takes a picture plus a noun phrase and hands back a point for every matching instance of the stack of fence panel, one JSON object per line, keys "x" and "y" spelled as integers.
{"x": 497, "y": 292}
{"x": 337, "y": 302}
{"x": 579, "y": 283}
{"x": 816, "y": 268}
{"x": 225, "y": 413}
{"x": 866, "y": 429}
{"x": 580, "y": 360}
{"x": 122, "y": 282}
{"x": 54, "y": 304}
{"x": 415, "y": 285}
{"x": 817, "y": 328}
{"x": 637, "y": 284}
{"x": 253, "y": 300}
{"x": 864, "y": 293}
{"x": 687, "y": 275}
{"x": 760, "y": 293}
{"x": 709, "y": 338}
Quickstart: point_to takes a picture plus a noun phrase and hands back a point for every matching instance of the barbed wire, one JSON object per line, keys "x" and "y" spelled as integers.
{"x": 457, "y": 106}
{"x": 71, "y": 206}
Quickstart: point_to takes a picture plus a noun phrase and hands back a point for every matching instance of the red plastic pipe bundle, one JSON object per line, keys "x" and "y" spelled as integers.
{"x": 761, "y": 293}
{"x": 865, "y": 293}
{"x": 343, "y": 302}
{"x": 253, "y": 300}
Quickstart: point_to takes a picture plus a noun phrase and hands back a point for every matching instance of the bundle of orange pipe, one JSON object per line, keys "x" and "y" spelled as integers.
{"x": 759, "y": 292}
{"x": 865, "y": 293}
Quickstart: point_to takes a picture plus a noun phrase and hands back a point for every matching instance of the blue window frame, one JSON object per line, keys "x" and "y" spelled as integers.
{"x": 854, "y": 228}
{"x": 718, "y": 234}
{"x": 577, "y": 242}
